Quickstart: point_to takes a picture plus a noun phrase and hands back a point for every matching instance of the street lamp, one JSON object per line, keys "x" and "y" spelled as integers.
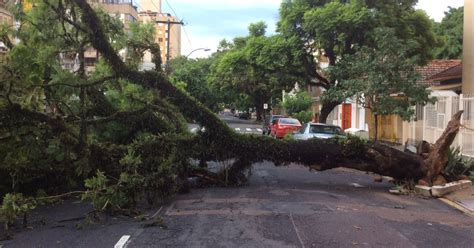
{"x": 202, "y": 48}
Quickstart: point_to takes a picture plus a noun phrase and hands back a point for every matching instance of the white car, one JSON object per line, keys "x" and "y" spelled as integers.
{"x": 319, "y": 131}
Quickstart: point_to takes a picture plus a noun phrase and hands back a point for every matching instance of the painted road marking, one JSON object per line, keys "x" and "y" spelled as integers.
{"x": 194, "y": 130}
{"x": 248, "y": 129}
{"x": 237, "y": 129}
{"x": 296, "y": 230}
{"x": 357, "y": 185}
{"x": 260, "y": 130}
{"x": 123, "y": 240}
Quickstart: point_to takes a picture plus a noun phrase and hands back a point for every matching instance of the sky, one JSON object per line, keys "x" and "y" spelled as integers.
{"x": 209, "y": 21}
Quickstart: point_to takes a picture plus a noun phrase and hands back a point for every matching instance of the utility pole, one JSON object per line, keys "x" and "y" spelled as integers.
{"x": 168, "y": 32}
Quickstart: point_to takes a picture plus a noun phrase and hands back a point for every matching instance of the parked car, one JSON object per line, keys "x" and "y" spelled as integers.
{"x": 267, "y": 124}
{"x": 318, "y": 130}
{"x": 244, "y": 115}
{"x": 284, "y": 126}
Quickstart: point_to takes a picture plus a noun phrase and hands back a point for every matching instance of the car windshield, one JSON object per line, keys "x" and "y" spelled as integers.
{"x": 273, "y": 118}
{"x": 289, "y": 121}
{"x": 325, "y": 129}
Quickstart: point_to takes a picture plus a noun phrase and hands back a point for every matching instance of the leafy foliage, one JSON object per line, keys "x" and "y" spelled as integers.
{"x": 382, "y": 78}
{"x": 458, "y": 165}
{"x": 123, "y": 132}
{"x": 297, "y": 106}
{"x": 451, "y": 32}
{"x": 14, "y": 206}
{"x": 326, "y": 31}
{"x": 192, "y": 75}
{"x": 301, "y": 101}
{"x": 256, "y": 66}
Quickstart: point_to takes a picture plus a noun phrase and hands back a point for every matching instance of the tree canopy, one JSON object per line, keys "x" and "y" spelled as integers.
{"x": 451, "y": 32}
{"x": 328, "y": 30}
{"x": 383, "y": 78}
{"x": 193, "y": 76}
{"x": 257, "y": 66}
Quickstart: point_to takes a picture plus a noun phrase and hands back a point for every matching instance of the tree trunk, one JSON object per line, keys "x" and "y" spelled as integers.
{"x": 376, "y": 127}
{"x": 259, "y": 110}
{"x": 326, "y": 110}
{"x": 438, "y": 156}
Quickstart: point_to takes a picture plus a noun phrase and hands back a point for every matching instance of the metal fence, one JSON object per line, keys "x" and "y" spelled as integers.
{"x": 432, "y": 119}
{"x": 466, "y": 137}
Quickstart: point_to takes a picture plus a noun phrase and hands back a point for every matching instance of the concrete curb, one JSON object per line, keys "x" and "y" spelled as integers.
{"x": 456, "y": 206}
{"x": 439, "y": 191}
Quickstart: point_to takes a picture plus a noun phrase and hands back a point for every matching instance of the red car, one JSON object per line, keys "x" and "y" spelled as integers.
{"x": 284, "y": 126}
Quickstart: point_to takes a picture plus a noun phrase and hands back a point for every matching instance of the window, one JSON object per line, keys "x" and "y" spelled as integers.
{"x": 303, "y": 129}
{"x": 419, "y": 112}
{"x": 89, "y": 61}
{"x": 160, "y": 39}
{"x": 288, "y": 121}
{"x": 325, "y": 129}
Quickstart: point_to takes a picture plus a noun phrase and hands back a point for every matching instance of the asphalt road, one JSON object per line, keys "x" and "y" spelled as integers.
{"x": 291, "y": 207}
{"x": 238, "y": 125}
{"x": 281, "y": 207}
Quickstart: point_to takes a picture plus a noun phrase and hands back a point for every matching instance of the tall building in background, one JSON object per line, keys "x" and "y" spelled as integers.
{"x": 124, "y": 10}
{"x": 167, "y": 31}
{"x": 151, "y": 5}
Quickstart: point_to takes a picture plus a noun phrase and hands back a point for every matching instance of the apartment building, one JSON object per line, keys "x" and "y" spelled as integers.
{"x": 167, "y": 31}
{"x": 124, "y": 10}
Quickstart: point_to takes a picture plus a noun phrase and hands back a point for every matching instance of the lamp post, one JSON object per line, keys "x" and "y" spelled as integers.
{"x": 202, "y": 48}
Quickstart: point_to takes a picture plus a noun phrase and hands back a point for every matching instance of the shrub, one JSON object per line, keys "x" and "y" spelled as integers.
{"x": 13, "y": 207}
{"x": 301, "y": 102}
{"x": 458, "y": 165}
{"x": 303, "y": 116}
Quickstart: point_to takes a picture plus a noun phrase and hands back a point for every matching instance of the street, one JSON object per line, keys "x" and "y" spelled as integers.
{"x": 291, "y": 207}
{"x": 238, "y": 125}
{"x": 281, "y": 207}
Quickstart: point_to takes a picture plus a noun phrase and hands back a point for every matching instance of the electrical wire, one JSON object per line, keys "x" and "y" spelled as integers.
{"x": 138, "y": 5}
{"x": 184, "y": 29}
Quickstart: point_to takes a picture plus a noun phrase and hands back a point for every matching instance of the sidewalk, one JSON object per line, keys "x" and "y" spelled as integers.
{"x": 463, "y": 200}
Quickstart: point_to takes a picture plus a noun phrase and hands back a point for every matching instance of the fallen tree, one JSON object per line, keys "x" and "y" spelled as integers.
{"x": 144, "y": 145}
{"x": 114, "y": 155}
{"x": 221, "y": 143}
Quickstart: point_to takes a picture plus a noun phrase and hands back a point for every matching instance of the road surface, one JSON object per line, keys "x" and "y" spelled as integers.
{"x": 281, "y": 207}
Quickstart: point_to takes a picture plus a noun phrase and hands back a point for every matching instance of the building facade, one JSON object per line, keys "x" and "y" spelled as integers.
{"x": 167, "y": 31}
{"x": 468, "y": 49}
{"x": 5, "y": 18}
{"x": 124, "y": 10}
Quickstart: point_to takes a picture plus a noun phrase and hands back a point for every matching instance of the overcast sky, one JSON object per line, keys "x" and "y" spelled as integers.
{"x": 209, "y": 21}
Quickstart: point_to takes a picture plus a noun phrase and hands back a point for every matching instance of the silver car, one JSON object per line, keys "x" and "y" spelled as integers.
{"x": 318, "y": 130}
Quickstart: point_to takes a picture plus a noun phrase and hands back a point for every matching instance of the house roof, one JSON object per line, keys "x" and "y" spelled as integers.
{"x": 434, "y": 67}
{"x": 454, "y": 72}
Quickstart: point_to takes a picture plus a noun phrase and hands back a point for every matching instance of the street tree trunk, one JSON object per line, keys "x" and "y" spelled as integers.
{"x": 376, "y": 127}
{"x": 259, "y": 110}
{"x": 326, "y": 109}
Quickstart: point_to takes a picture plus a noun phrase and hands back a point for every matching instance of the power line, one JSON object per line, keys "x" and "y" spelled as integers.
{"x": 137, "y": 4}
{"x": 158, "y": 8}
{"x": 172, "y": 10}
{"x": 184, "y": 29}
